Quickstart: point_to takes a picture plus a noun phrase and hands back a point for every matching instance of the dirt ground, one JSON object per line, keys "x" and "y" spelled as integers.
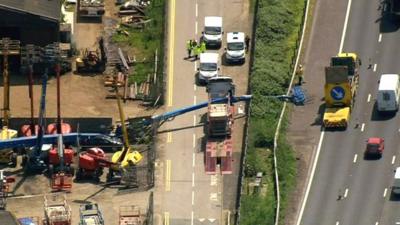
{"x": 81, "y": 96}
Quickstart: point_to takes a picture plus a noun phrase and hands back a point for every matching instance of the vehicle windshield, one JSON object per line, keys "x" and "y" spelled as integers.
{"x": 212, "y": 30}
{"x": 208, "y": 66}
{"x": 373, "y": 147}
{"x": 235, "y": 46}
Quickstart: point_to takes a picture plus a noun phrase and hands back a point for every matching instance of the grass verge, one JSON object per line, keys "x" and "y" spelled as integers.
{"x": 144, "y": 42}
{"x": 278, "y": 25}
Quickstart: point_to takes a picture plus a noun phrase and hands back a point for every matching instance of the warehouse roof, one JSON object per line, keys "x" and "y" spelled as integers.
{"x": 45, "y": 8}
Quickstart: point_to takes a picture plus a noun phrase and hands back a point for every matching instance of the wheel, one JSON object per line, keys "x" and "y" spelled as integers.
{"x": 13, "y": 159}
{"x": 24, "y": 160}
{"x": 78, "y": 175}
{"x": 51, "y": 170}
{"x": 110, "y": 175}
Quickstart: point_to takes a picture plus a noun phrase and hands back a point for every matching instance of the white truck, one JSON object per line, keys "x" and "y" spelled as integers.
{"x": 388, "y": 93}
{"x": 236, "y": 47}
{"x": 208, "y": 66}
{"x": 213, "y": 31}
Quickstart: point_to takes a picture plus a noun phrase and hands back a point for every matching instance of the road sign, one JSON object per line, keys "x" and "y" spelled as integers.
{"x": 337, "y": 93}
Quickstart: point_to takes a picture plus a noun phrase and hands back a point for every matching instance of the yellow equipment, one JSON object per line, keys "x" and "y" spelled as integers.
{"x": 340, "y": 89}
{"x": 8, "y": 155}
{"x": 127, "y": 156}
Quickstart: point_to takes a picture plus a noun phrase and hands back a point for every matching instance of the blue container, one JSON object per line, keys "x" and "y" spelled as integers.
{"x": 26, "y": 221}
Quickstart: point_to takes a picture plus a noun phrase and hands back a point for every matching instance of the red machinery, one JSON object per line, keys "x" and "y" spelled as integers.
{"x": 91, "y": 164}
{"x": 65, "y": 128}
{"x": 60, "y": 169}
{"x": 4, "y": 188}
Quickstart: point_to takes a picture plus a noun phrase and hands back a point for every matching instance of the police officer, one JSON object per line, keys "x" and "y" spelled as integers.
{"x": 203, "y": 46}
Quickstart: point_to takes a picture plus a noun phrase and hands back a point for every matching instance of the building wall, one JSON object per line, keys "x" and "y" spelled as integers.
{"x": 29, "y": 29}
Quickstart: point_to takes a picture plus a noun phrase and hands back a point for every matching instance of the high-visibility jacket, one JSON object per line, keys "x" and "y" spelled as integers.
{"x": 189, "y": 44}
{"x": 203, "y": 47}
{"x": 197, "y": 50}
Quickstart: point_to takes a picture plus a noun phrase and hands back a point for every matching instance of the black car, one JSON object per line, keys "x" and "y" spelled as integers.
{"x": 105, "y": 142}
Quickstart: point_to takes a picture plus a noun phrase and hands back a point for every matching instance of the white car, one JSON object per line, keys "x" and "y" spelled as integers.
{"x": 213, "y": 31}
{"x": 208, "y": 66}
{"x": 236, "y": 47}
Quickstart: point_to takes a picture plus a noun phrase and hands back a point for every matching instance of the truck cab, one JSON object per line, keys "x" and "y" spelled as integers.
{"x": 213, "y": 31}
{"x": 235, "y": 49}
{"x": 375, "y": 147}
{"x": 208, "y": 67}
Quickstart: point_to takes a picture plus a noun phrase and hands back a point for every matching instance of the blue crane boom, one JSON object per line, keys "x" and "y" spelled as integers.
{"x": 178, "y": 112}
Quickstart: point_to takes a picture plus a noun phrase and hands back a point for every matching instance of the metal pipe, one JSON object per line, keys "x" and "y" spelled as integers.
{"x": 30, "y": 81}
{"x": 59, "y": 131}
{"x": 124, "y": 130}
{"x": 6, "y": 89}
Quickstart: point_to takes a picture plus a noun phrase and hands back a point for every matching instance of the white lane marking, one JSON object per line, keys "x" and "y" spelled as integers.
{"x": 377, "y": 223}
{"x": 192, "y": 221}
{"x": 346, "y": 20}
{"x": 194, "y": 87}
{"x": 384, "y": 192}
{"x": 355, "y": 158}
{"x": 214, "y": 180}
{"x": 393, "y": 159}
{"x": 195, "y": 66}
{"x": 193, "y": 179}
{"x": 195, "y": 28}
{"x": 362, "y": 127}
{"x": 194, "y": 140}
{"x": 192, "y": 197}
{"x": 194, "y": 160}
{"x": 194, "y": 120}
{"x": 337, "y": 222}
{"x": 303, "y": 204}
{"x": 375, "y": 67}
{"x": 369, "y": 98}
{"x": 397, "y": 222}
{"x": 197, "y": 10}
{"x": 380, "y": 38}
{"x": 194, "y": 100}
{"x": 346, "y": 192}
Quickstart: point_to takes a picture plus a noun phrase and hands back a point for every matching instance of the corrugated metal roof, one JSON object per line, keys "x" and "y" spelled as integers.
{"x": 46, "y": 8}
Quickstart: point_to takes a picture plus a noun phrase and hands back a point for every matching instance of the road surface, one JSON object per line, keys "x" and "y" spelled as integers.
{"x": 364, "y": 185}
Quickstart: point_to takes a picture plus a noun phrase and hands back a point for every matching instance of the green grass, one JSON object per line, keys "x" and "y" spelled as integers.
{"x": 144, "y": 42}
{"x": 276, "y": 36}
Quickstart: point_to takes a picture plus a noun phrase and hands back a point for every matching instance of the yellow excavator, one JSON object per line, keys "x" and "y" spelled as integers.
{"x": 127, "y": 157}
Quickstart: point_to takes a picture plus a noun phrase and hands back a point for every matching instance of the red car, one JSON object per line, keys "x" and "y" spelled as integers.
{"x": 374, "y": 147}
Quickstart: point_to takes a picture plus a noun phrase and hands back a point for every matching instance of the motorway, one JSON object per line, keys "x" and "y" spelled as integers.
{"x": 187, "y": 195}
{"x": 341, "y": 169}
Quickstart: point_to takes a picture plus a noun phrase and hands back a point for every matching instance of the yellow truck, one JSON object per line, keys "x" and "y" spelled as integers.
{"x": 341, "y": 82}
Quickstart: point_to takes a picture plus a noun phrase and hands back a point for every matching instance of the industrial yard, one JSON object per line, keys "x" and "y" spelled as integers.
{"x": 86, "y": 104}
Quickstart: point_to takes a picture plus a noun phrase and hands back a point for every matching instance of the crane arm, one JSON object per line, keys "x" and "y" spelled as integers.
{"x": 39, "y": 141}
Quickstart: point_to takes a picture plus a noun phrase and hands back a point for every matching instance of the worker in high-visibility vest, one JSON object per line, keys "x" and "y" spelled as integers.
{"x": 203, "y": 46}
{"x": 197, "y": 51}
{"x": 189, "y": 47}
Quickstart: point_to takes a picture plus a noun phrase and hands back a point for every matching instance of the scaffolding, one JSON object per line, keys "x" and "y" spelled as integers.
{"x": 56, "y": 210}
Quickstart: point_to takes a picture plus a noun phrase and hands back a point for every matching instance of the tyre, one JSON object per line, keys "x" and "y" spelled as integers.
{"x": 51, "y": 170}
{"x": 14, "y": 160}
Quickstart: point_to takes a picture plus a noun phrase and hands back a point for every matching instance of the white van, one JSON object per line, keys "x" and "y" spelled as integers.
{"x": 208, "y": 66}
{"x": 388, "y": 93}
{"x": 236, "y": 47}
{"x": 396, "y": 183}
{"x": 213, "y": 31}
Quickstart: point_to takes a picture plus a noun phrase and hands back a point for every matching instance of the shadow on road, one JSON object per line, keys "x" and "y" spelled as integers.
{"x": 388, "y": 22}
{"x": 381, "y": 116}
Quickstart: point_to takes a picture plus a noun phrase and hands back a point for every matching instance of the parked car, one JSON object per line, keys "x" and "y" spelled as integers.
{"x": 374, "y": 147}
{"x": 105, "y": 142}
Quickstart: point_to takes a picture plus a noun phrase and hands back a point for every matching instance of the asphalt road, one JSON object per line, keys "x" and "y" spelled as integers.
{"x": 341, "y": 168}
{"x": 186, "y": 194}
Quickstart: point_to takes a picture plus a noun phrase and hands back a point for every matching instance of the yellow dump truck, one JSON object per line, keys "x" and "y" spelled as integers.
{"x": 341, "y": 82}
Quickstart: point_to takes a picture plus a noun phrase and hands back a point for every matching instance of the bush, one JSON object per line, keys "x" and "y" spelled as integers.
{"x": 277, "y": 28}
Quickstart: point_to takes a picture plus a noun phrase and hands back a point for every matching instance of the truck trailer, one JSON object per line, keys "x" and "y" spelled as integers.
{"x": 220, "y": 118}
